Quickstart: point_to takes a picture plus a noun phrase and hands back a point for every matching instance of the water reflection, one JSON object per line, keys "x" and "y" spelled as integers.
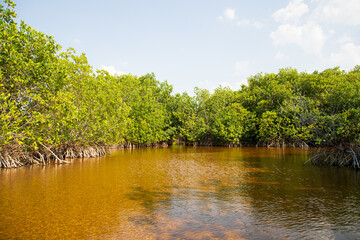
{"x": 180, "y": 192}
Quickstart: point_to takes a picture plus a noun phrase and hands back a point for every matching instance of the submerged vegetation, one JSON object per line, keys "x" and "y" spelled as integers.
{"x": 53, "y": 106}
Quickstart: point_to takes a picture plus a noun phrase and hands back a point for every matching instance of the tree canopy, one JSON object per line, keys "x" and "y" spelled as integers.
{"x": 53, "y": 105}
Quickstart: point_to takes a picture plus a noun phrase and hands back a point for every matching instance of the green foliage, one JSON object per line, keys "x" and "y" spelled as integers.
{"x": 212, "y": 118}
{"x": 149, "y": 120}
{"x": 269, "y": 129}
{"x": 29, "y": 80}
{"x": 231, "y": 124}
{"x": 53, "y": 100}
{"x": 229, "y": 120}
{"x": 191, "y": 124}
{"x": 267, "y": 92}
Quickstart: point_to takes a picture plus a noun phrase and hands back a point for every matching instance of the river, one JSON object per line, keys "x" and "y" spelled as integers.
{"x": 182, "y": 193}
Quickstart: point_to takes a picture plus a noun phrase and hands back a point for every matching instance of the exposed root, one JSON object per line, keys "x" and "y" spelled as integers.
{"x": 348, "y": 156}
{"x": 57, "y": 159}
{"x": 300, "y": 144}
{"x": 14, "y": 155}
{"x": 84, "y": 152}
{"x": 143, "y": 145}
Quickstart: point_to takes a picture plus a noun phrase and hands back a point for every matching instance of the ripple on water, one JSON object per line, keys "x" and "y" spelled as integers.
{"x": 184, "y": 193}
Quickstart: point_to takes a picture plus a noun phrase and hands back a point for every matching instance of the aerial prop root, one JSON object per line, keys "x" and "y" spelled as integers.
{"x": 84, "y": 151}
{"x": 340, "y": 156}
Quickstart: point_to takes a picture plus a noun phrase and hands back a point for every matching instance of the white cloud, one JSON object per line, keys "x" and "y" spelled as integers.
{"x": 338, "y": 11}
{"x": 317, "y": 25}
{"x": 292, "y": 12}
{"x": 204, "y": 83}
{"x": 345, "y": 39}
{"x": 112, "y": 70}
{"x": 229, "y": 14}
{"x": 309, "y": 36}
{"x": 76, "y": 40}
{"x": 258, "y": 24}
{"x": 347, "y": 57}
{"x": 246, "y": 22}
{"x": 124, "y": 63}
{"x": 279, "y": 56}
{"x": 242, "y": 68}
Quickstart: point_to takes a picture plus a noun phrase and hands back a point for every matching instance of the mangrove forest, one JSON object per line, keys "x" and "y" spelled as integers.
{"x": 54, "y": 106}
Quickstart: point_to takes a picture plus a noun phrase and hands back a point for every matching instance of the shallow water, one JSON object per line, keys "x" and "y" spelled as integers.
{"x": 182, "y": 192}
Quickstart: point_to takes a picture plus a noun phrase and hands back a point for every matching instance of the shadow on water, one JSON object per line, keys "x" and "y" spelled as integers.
{"x": 188, "y": 212}
{"x": 151, "y": 201}
{"x": 183, "y": 193}
{"x": 253, "y": 209}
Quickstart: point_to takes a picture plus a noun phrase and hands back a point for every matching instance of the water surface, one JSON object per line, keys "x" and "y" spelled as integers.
{"x": 182, "y": 192}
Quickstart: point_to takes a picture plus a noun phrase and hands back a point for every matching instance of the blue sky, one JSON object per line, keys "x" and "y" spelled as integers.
{"x": 202, "y": 43}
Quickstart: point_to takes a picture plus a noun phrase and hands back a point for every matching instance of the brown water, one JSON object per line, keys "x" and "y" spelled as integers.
{"x": 182, "y": 192}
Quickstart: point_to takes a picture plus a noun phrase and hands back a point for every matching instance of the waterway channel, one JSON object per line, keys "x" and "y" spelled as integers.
{"x": 182, "y": 193}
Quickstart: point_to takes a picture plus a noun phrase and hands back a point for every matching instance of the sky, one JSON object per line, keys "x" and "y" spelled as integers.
{"x": 202, "y": 43}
